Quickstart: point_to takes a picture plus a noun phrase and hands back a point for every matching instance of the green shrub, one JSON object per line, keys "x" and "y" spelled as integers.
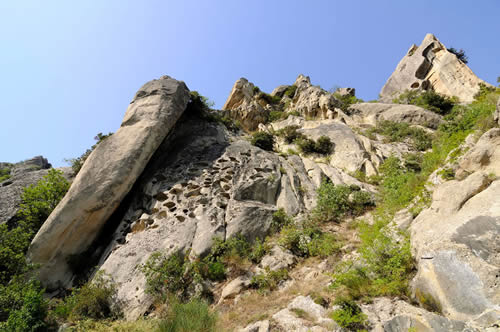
{"x": 263, "y": 140}
{"x": 427, "y": 99}
{"x": 269, "y": 280}
{"x": 413, "y": 162}
{"x": 77, "y": 163}
{"x": 167, "y": 275}
{"x": 447, "y": 173}
{"x": 346, "y": 101}
{"x": 259, "y": 249}
{"x": 428, "y": 302}
{"x": 324, "y": 245}
{"x": 349, "y": 315}
{"x": 276, "y": 116}
{"x": 323, "y": 145}
{"x": 23, "y": 309}
{"x": 4, "y": 174}
{"x": 290, "y": 91}
{"x": 193, "y": 316}
{"x": 400, "y": 131}
{"x": 268, "y": 98}
{"x": 460, "y": 54}
{"x": 484, "y": 91}
{"x": 216, "y": 271}
{"x": 306, "y": 145}
{"x": 290, "y": 134}
{"x": 37, "y": 202}
{"x": 95, "y": 300}
{"x": 256, "y": 90}
{"x": 298, "y": 237}
{"x": 279, "y": 220}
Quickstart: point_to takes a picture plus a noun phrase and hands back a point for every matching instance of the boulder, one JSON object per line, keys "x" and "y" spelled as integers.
{"x": 432, "y": 66}
{"x": 280, "y": 90}
{"x": 371, "y": 113}
{"x": 483, "y": 156}
{"x": 260, "y": 326}
{"x": 346, "y": 92}
{"x": 106, "y": 177}
{"x": 278, "y": 259}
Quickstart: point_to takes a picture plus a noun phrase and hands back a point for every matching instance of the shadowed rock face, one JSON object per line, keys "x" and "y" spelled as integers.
{"x": 431, "y": 66}
{"x": 106, "y": 177}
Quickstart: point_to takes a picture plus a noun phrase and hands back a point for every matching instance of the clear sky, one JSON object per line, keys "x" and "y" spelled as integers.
{"x": 68, "y": 69}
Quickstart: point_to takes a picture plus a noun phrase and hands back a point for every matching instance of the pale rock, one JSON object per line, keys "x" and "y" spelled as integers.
{"x": 431, "y": 66}
{"x": 346, "y": 92}
{"x": 260, "y": 326}
{"x": 280, "y": 90}
{"x": 278, "y": 259}
{"x": 483, "y": 156}
{"x": 234, "y": 287}
{"x": 106, "y": 177}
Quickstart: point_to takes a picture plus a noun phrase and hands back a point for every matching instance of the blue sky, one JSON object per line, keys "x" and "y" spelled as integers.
{"x": 68, "y": 69}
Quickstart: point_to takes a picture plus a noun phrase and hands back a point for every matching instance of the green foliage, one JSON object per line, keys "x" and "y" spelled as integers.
{"x": 167, "y": 275}
{"x": 276, "y": 116}
{"x": 290, "y": 91}
{"x": 269, "y": 280}
{"x": 77, "y": 163}
{"x": 268, "y": 98}
{"x": 290, "y": 134}
{"x": 346, "y": 101}
{"x": 400, "y": 131}
{"x": 484, "y": 91}
{"x": 324, "y": 245}
{"x": 460, "y": 54}
{"x": 427, "y": 99}
{"x": 214, "y": 116}
{"x": 22, "y": 307}
{"x": 349, "y": 315}
{"x": 447, "y": 173}
{"x": 4, "y": 174}
{"x": 259, "y": 249}
{"x": 198, "y": 103}
{"x": 94, "y": 300}
{"x": 256, "y": 90}
{"x": 263, "y": 140}
{"x": 37, "y": 202}
{"x": 279, "y": 220}
{"x": 334, "y": 202}
{"x": 322, "y": 146}
{"x": 193, "y": 316}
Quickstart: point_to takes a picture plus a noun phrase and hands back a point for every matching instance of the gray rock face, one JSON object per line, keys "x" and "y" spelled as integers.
{"x": 22, "y": 175}
{"x": 457, "y": 248}
{"x": 496, "y": 115}
{"x": 346, "y": 91}
{"x": 431, "y": 66}
{"x": 105, "y": 179}
{"x": 370, "y": 113}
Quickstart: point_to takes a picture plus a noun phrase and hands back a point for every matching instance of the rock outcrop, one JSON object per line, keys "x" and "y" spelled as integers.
{"x": 456, "y": 241}
{"x": 22, "y": 175}
{"x": 106, "y": 177}
{"x": 432, "y": 66}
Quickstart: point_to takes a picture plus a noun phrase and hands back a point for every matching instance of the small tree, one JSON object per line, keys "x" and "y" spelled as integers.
{"x": 263, "y": 140}
{"x": 460, "y": 54}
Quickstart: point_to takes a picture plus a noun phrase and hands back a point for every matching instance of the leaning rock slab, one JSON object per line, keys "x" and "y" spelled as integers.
{"x": 106, "y": 177}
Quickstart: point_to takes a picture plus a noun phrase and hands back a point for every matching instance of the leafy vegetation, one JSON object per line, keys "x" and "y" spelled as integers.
{"x": 94, "y": 300}
{"x": 427, "y": 99}
{"x": 4, "y": 174}
{"x": 22, "y": 307}
{"x": 290, "y": 91}
{"x": 401, "y": 131}
{"x": 263, "y": 140}
{"x": 349, "y": 315}
{"x": 322, "y": 146}
{"x": 269, "y": 280}
{"x": 346, "y": 101}
{"x": 460, "y": 54}
{"x": 336, "y": 202}
{"x": 268, "y": 98}
{"x": 193, "y": 316}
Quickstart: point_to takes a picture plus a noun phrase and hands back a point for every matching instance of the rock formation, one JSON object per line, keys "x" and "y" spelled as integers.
{"x": 22, "y": 174}
{"x": 106, "y": 177}
{"x": 432, "y": 66}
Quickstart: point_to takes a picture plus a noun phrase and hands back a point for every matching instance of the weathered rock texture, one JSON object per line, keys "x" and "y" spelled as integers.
{"x": 456, "y": 240}
{"x": 22, "y": 175}
{"x": 106, "y": 177}
{"x": 431, "y": 66}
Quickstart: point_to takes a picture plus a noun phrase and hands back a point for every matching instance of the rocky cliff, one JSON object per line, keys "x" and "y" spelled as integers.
{"x": 175, "y": 178}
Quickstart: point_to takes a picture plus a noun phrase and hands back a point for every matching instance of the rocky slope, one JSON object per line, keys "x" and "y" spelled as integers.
{"x": 171, "y": 180}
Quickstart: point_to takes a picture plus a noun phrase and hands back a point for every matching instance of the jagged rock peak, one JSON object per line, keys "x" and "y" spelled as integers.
{"x": 432, "y": 66}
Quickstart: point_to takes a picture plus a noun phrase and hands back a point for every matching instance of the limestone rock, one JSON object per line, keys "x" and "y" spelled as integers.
{"x": 432, "y": 66}
{"x": 277, "y": 259}
{"x": 234, "y": 287}
{"x": 280, "y": 90}
{"x": 107, "y": 176}
{"x": 243, "y": 107}
{"x": 484, "y": 156}
{"x": 496, "y": 115}
{"x": 371, "y": 113}
{"x": 456, "y": 245}
{"x": 260, "y": 326}
{"x": 346, "y": 92}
